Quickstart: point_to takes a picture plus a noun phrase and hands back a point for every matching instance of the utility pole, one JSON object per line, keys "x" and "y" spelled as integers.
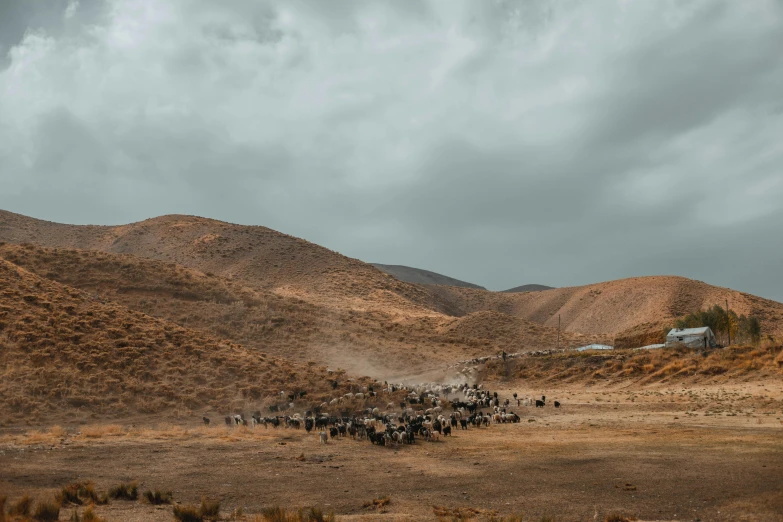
{"x": 728, "y": 321}
{"x": 558, "y": 331}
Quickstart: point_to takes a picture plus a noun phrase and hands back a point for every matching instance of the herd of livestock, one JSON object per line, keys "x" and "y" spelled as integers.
{"x": 426, "y": 411}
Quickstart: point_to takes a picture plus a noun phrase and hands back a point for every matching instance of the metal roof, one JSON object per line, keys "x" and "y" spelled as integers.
{"x": 685, "y": 332}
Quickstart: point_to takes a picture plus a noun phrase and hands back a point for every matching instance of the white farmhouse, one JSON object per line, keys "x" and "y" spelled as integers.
{"x": 693, "y": 337}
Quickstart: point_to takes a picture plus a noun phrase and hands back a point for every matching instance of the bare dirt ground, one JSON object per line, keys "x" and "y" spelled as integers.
{"x": 656, "y": 453}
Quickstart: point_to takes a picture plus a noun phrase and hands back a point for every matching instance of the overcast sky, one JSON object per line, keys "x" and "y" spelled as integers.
{"x": 498, "y": 142}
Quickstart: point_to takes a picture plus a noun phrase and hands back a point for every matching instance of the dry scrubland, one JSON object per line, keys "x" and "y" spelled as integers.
{"x": 363, "y": 341}
{"x": 288, "y": 266}
{"x": 115, "y": 340}
{"x": 642, "y": 367}
{"x": 706, "y": 452}
{"x": 66, "y": 354}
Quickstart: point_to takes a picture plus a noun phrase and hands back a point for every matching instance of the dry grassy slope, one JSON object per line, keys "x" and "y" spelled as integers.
{"x": 259, "y": 256}
{"x": 267, "y": 260}
{"x": 373, "y": 343}
{"x": 615, "y": 307}
{"x": 672, "y": 365}
{"x": 62, "y": 350}
{"x": 489, "y": 324}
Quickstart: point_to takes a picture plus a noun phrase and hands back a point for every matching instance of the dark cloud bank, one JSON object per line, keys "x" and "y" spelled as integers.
{"x": 500, "y": 143}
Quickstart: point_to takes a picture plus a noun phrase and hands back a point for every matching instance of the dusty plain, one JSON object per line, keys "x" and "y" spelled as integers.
{"x": 657, "y": 453}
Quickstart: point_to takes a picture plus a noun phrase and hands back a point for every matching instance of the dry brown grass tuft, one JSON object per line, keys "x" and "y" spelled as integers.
{"x": 377, "y": 503}
{"x": 124, "y": 491}
{"x": 102, "y": 430}
{"x": 69, "y": 495}
{"x": 47, "y": 512}
{"x": 187, "y": 514}
{"x": 208, "y": 510}
{"x": 157, "y": 497}
{"x": 618, "y": 517}
{"x": 90, "y": 516}
{"x": 21, "y": 507}
{"x": 278, "y": 514}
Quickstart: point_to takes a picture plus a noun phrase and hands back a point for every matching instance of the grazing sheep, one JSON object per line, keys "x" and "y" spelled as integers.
{"x": 557, "y": 404}
{"x": 333, "y": 432}
{"x": 206, "y": 421}
{"x": 446, "y": 431}
{"x": 539, "y": 404}
{"x": 322, "y": 437}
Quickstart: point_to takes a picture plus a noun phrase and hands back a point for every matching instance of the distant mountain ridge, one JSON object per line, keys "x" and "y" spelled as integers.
{"x": 420, "y": 276}
{"x": 528, "y": 288}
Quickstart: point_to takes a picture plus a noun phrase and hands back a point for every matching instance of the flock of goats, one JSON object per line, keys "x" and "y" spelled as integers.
{"x": 422, "y": 414}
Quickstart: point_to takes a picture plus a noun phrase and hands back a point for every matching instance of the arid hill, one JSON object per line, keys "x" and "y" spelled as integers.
{"x": 62, "y": 350}
{"x": 364, "y": 342}
{"x": 422, "y": 277}
{"x": 349, "y": 290}
{"x": 259, "y": 256}
{"x": 616, "y": 307}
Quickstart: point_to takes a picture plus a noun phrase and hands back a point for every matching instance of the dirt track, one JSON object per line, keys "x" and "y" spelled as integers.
{"x": 587, "y": 458}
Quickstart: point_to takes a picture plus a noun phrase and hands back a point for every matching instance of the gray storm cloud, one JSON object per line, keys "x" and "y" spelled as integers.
{"x": 497, "y": 142}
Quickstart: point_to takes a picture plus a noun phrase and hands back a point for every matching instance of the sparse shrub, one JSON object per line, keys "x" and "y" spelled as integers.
{"x": 87, "y": 491}
{"x": 378, "y": 503}
{"x": 58, "y": 431}
{"x": 90, "y": 516}
{"x": 187, "y": 514}
{"x": 618, "y": 517}
{"x": 47, "y": 512}
{"x": 278, "y": 514}
{"x": 69, "y": 495}
{"x": 274, "y": 514}
{"x": 156, "y": 498}
{"x": 22, "y": 507}
{"x": 209, "y": 509}
{"x": 124, "y": 492}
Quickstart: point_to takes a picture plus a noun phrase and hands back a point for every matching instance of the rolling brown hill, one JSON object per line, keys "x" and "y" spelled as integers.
{"x": 364, "y": 342}
{"x": 393, "y": 316}
{"x": 64, "y": 351}
{"x": 259, "y": 256}
{"x": 617, "y": 308}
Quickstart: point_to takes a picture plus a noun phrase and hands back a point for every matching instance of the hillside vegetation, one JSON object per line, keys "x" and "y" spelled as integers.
{"x": 617, "y": 308}
{"x": 293, "y": 298}
{"x": 366, "y": 342}
{"x": 664, "y": 366}
{"x": 257, "y": 256}
{"x": 64, "y": 351}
